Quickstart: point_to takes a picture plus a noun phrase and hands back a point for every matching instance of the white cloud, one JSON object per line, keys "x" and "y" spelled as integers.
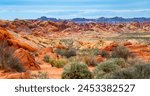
{"x": 70, "y": 10}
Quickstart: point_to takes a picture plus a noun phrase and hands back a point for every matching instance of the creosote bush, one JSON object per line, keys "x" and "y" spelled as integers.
{"x": 141, "y": 71}
{"x": 135, "y": 61}
{"x": 119, "y": 61}
{"x": 104, "y": 54}
{"x": 121, "y": 52}
{"x": 90, "y": 60}
{"x": 7, "y": 59}
{"x": 76, "y": 70}
{"x": 66, "y": 52}
{"x": 109, "y": 66}
{"x": 60, "y": 63}
{"x": 91, "y": 52}
{"x": 47, "y": 58}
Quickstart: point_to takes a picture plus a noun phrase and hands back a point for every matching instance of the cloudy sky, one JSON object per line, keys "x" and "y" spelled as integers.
{"x": 27, "y": 9}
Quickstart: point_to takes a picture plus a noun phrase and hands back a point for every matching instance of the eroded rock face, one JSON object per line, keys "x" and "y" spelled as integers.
{"x": 16, "y": 43}
{"x": 110, "y": 47}
{"x": 12, "y": 41}
{"x": 9, "y": 75}
{"x": 26, "y": 59}
{"x": 44, "y": 28}
{"x": 4, "y": 34}
{"x": 139, "y": 50}
{"x": 47, "y": 52}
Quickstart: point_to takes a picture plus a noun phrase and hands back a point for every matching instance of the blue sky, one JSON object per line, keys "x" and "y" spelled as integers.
{"x": 27, "y": 9}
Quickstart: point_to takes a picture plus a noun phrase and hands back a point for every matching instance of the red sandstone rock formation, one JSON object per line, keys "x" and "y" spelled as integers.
{"x": 12, "y": 41}
{"x": 26, "y": 59}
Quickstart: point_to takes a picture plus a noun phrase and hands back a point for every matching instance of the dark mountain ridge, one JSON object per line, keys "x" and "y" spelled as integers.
{"x": 98, "y": 20}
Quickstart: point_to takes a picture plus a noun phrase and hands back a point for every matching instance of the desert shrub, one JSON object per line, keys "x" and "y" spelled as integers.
{"x": 104, "y": 54}
{"x": 100, "y": 74}
{"x": 140, "y": 71}
{"x": 75, "y": 59}
{"x": 39, "y": 75}
{"x": 119, "y": 61}
{"x": 92, "y": 52}
{"x": 60, "y": 63}
{"x": 76, "y": 71}
{"x": 7, "y": 59}
{"x": 121, "y": 52}
{"x": 66, "y": 52}
{"x": 134, "y": 61}
{"x": 90, "y": 60}
{"x": 121, "y": 74}
{"x": 107, "y": 67}
{"x": 47, "y": 58}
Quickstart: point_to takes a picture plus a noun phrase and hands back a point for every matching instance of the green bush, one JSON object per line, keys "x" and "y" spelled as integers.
{"x": 104, "y": 54}
{"x": 60, "y": 63}
{"x": 77, "y": 71}
{"x": 135, "y": 61}
{"x": 141, "y": 71}
{"x": 66, "y": 52}
{"x": 108, "y": 66}
{"x": 91, "y": 52}
{"x": 47, "y": 58}
{"x": 121, "y": 52}
{"x": 119, "y": 61}
{"x": 7, "y": 59}
{"x": 90, "y": 60}
{"x": 121, "y": 74}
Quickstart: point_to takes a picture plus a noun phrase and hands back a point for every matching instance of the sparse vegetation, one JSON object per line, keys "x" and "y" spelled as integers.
{"x": 7, "y": 59}
{"x": 91, "y": 52}
{"x": 104, "y": 54}
{"x": 90, "y": 60}
{"x": 66, "y": 52}
{"x": 121, "y": 74}
{"x": 140, "y": 71}
{"x": 60, "y": 63}
{"x": 108, "y": 66}
{"x": 119, "y": 61}
{"x": 39, "y": 75}
{"x": 121, "y": 52}
{"x": 76, "y": 71}
{"x": 47, "y": 58}
{"x": 135, "y": 61}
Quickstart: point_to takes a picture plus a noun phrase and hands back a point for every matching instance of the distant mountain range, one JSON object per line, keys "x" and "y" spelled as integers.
{"x": 98, "y": 20}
